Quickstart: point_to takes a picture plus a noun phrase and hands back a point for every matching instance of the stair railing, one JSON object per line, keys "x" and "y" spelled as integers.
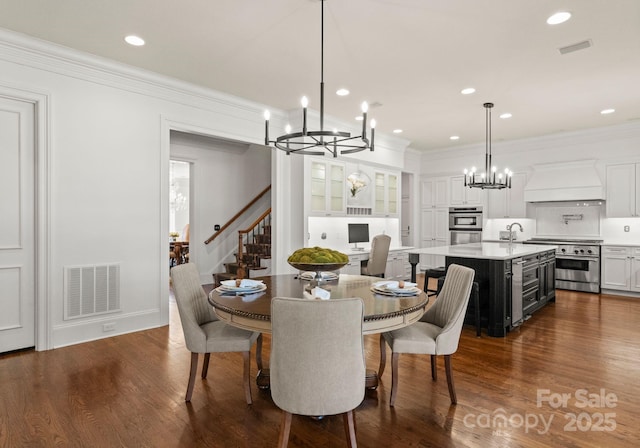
{"x": 237, "y": 215}
{"x": 247, "y": 236}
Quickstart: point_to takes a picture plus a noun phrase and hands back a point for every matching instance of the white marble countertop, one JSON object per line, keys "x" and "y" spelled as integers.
{"x": 367, "y": 249}
{"x": 621, "y": 243}
{"x": 486, "y": 250}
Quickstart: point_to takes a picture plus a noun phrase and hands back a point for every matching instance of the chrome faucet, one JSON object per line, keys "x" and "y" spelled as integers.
{"x": 511, "y": 232}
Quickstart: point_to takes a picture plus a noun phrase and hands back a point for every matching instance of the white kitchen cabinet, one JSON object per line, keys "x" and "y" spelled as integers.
{"x": 397, "y": 267}
{"x": 461, "y": 195}
{"x": 326, "y": 188}
{"x": 621, "y": 268}
{"x": 623, "y": 190}
{"x": 508, "y": 202}
{"x": 435, "y": 233}
{"x": 435, "y": 192}
{"x": 386, "y": 194}
{"x": 354, "y": 265}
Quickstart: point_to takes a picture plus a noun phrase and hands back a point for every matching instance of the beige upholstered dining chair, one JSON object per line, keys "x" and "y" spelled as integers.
{"x": 317, "y": 362}
{"x": 437, "y": 332}
{"x": 204, "y": 333}
{"x": 378, "y": 256}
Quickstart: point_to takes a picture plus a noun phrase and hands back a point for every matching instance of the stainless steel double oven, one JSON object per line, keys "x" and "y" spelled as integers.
{"x": 465, "y": 224}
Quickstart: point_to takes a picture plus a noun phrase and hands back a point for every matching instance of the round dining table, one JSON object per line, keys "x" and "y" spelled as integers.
{"x": 382, "y": 312}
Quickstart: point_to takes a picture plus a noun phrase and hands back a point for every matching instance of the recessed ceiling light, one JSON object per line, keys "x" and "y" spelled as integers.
{"x": 397, "y": 131}
{"x": 454, "y": 137}
{"x": 468, "y": 91}
{"x": 506, "y": 115}
{"x": 359, "y": 118}
{"x": 559, "y": 17}
{"x": 607, "y": 111}
{"x": 342, "y": 92}
{"x": 134, "y": 40}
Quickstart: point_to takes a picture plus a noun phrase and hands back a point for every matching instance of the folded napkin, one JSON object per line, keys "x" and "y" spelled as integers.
{"x": 244, "y": 283}
{"x": 318, "y": 293}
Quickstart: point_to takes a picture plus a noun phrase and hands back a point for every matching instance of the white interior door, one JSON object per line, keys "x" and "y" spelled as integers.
{"x": 17, "y": 202}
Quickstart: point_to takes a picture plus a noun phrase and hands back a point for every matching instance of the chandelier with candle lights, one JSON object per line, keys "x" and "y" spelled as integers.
{"x": 316, "y": 142}
{"x": 489, "y": 179}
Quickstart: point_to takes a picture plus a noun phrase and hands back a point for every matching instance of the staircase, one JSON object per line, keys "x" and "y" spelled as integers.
{"x": 254, "y": 245}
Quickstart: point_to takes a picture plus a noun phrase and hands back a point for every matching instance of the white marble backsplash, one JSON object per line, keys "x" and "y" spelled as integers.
{"x": 580, "y": 220}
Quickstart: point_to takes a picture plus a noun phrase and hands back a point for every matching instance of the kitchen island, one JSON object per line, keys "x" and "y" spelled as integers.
{"x": 514, "y": 280}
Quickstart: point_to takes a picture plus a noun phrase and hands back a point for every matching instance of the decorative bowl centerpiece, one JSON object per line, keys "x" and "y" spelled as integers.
{"x": 318, "y": 260}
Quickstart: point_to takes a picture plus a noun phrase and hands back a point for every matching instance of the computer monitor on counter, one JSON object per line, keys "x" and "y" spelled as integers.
{"x": 358, "y": 233}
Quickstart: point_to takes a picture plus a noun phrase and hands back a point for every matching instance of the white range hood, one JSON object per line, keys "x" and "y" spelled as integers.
{"x": 566, "y": 181}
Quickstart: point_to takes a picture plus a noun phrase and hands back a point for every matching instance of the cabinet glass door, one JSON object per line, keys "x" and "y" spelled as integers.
{"x": 379, "y": 193}
{"x": 318, "y": 186}
{"x": 337, "y": 188}
{"x": 393, "y": 193}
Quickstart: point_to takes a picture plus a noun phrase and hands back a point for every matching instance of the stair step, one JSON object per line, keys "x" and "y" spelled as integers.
{"x": 231, "y": 268}
{"x": 262, "y": 239}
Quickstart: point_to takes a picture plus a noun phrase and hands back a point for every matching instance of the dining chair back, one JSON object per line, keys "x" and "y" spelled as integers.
{"x": 317, "y": 364}
{"x": 378, "y": 257}
{"x": 203, "y": 332}
{"x": 437, "y": 332}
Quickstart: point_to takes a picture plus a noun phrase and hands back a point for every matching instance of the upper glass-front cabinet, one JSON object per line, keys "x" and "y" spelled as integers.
{"x": 386, "y": 194}
{"x": 327, "y": 188}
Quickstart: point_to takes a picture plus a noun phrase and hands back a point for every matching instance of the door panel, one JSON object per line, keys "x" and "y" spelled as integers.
{"x": 17, "y": 259}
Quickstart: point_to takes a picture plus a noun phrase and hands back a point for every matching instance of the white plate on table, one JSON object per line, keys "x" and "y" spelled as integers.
{"x": 392, "y": 288}
{"x": 246, "y": 285}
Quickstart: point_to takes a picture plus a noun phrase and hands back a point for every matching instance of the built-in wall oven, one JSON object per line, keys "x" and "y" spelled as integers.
{"x": 577, "y": 264}
{"x": 465, "y": 224}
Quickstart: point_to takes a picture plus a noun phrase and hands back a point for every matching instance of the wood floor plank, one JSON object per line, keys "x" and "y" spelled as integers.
{"x": 128, "y": 391}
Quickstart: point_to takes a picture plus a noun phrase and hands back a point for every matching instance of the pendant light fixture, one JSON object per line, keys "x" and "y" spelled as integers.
{"x": 487, "y": 180}
{"x": 317, "y": 142}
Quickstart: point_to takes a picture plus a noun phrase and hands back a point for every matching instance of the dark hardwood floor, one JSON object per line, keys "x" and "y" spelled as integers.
{"x": 129, "y": 391}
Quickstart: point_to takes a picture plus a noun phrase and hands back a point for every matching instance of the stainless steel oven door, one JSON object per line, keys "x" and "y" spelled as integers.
{"x": 465, "y": 221}
{"x": 465, "y": 237}
{"x": 578, "y": 269}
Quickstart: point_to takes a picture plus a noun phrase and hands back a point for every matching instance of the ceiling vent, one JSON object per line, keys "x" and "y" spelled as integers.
{"x": 576, "y": 47}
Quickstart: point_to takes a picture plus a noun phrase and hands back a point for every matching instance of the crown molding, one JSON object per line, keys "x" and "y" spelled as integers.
{"x": 43, "y": 55}
{"x": 564, "y": 139}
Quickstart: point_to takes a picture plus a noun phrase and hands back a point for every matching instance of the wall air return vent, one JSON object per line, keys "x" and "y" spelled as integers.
{"x": 91, "y": 290}
{"x": 575, "y": 47}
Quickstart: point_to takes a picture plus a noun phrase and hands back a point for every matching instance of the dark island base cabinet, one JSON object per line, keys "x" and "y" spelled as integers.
{"x": 495, "y": 281}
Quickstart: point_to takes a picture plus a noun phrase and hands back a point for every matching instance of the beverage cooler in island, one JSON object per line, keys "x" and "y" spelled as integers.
{"x": 514, "y": 280}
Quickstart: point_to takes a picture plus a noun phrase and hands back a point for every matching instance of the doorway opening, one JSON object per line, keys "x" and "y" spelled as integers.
{"x": 179, "y": 208}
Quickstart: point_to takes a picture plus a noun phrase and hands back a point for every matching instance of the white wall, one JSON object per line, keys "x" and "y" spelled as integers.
{"x": 107, "y": 167}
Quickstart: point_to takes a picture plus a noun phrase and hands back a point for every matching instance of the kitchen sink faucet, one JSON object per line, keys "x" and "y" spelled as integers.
{"x": 511, "y": 232}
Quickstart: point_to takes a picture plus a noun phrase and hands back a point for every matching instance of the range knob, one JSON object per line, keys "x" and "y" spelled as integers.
{"x": 582, "y": 251}
{"x": 589, "y": 251}
{"x": 575, "y": 251}
{"x": 563, "y": 250}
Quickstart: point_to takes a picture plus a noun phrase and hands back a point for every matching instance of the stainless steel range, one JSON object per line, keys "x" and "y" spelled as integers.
{"x": 577, "y": 263}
